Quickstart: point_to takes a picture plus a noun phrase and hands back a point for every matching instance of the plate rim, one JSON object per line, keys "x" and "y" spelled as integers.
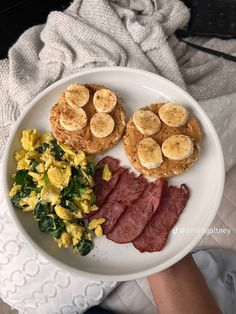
{"x": 89, "y": 274}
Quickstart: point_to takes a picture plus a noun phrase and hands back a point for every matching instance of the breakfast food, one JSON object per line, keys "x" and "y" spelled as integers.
{"x": 56, "y": 184}
{"x": 169, "y": 151}
{"x": 135, "y": 217}
{"x": 147, "y": 122}
{"x": 149, "y": 153}
{"x": 102, "y": 124}
{"x": 103, "y": 187}
{"x": 77, "y": 95}
{"x": 104, "y": 100}
{"x": 155, "y": 234}
{"x": 136, "y": 211}
{"x": 127, "y": 190}
{"x": 173, "y": 115}
{"x": 88, "y": 117}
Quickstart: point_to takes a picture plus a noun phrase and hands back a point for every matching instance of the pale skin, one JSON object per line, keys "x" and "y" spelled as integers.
{"x": 181, "y": 289}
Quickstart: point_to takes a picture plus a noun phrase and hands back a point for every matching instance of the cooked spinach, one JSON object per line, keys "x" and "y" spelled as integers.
{"x": 46, "y": 179}
{"x": 41, "y": 210}
{"x": 74, "y": 189}
{"x": 22, "y": 178}
{"x": 91, "y": 169}
{"x": 93, "y": 199}
{"x": 24, "y": 192}
{"x": 58, "y": 227}
{"x": 52, "y": 224}
{"x": 68, "y": 204}
{"x": 16, "y": 199}
{"x": 33, "y": 165}
{"x": 41, "y": 149}
{"x": 46, "y": 224}
{"x": 56, "y": 150}
{"x": 84, "y": 247}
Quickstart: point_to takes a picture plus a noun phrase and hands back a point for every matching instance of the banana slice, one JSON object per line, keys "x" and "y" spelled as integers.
{"x": 77, "y": 95}
{"x": 102, "y": 124}
{"x": 73, "y": 119}
{"x": 104, "y": 100}
{"x": 149, "y": 153}
{"x": 177, "y": 147}
{"x": 173, "y": 115}
{"x": 147, "y": 122}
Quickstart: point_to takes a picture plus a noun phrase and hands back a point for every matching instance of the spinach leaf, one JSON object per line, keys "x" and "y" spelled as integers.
{"x": 57, "y": 233}
{"x": 41, "y": 210}
{"x": 56, "y": 150}
{"x": 41, "y": 149}
{"x": 33, "y": 165}
{"x": 22, "y": 178}
{"x": 16, "y": 199}
{"x": 24, "y": 192}
{"x": 68, "y": 204}
{"x": 93, "y": 199}
{"x": 46, "y": 224}
{"x": 46, "y": 179}
{"x": 84, "y": 247}
{"x": 74, "y": 189}
{"x": 91, "y": 169}
{"x": 58, "y": 227}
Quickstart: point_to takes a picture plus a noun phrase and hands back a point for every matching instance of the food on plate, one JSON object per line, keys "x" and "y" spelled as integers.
{"x": 103, "y": 187}
{"x": 156, "y": 232}
{"x": 136, "y": 211}
{"x": 173, "y": 115}
{"x": 56, "y": 184}
{"x": 104, "y": 100}
{"x": 149, "y": 153}
{"x": 73, "y": 119}
{"x": 177, "y": 147}
{"x": 178, "y": 137}
{"x": 127, "y": 189}
{"x": 147, "y": 122}
{"x": 88, "y": 117}
{"x": 77, "y": 95}
{"x": 138, "y": 214}
{"x": 102, "y": 124}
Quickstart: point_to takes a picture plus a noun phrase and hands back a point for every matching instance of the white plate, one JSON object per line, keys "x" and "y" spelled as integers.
{"x": 110, "y": 261}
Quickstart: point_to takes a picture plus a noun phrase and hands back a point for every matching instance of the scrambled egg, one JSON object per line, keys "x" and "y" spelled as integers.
{"x": 95, "y": 225}
{"x": 56, "y": 184}
{"x": 29, "y": 139}
{"x": 106, "y": 173}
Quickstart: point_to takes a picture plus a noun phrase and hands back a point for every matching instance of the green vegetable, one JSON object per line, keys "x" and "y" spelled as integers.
{"x": 59, "y": 227}
{"x": 33, "y": 165}
{"x": 91, "y": 169}
{"x": 93, "y": 199}
{"x": 16, "y": 199}
{"x": 84, "y": 247}
{"x": 22, "y": 178}
{"x": 56, "y": 150}
{"x": 46, "y": 224}
{"x": 46, "y": 179}
{"x": 41, "y": 210}
{"x": 68, "y": 204}
{"x": 41, "y": 149}
{"x": 74, "y": 189}
{"x": 84, "y": 178}
{"x": 52, "y": 224}
{"x": 24, "y": 192}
